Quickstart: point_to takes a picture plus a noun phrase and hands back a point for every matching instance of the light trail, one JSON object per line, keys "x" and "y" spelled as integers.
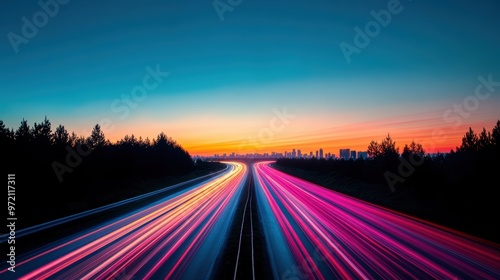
{"x": 64, "y": 220}
{"x": 178, "y": 237}
{"x": 316, "y": 233}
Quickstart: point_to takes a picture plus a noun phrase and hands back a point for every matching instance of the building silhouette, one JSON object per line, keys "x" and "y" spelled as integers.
{"x": 363, "y": 155}
{"x": 345, "y": 153}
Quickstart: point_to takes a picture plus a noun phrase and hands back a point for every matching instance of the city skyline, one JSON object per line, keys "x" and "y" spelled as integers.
{"x": 295, "y": 153}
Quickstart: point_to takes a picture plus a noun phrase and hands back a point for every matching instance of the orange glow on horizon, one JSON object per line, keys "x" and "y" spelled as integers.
{"x": 222, "y": 136}
{"x": 434, "y": 140}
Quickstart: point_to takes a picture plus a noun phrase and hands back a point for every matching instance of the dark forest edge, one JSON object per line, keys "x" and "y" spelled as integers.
{"x": 59, "y": 173}
{"x": 457, "y": 189}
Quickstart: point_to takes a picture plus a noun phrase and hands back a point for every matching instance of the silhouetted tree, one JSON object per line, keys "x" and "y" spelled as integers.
{"x": 484, "y": 142}
{"x": 469, "y": 142}
{"x": 72, "y": 139}
{"x": 495, "y": 135}
{"x": 144, "y": 143}
{"x": 161, "y": 143}
{"x": 4, "y": 132}
{"x": 42, "y": 133}
{"x": 147, "y": 142}
{"x": 129, "y": 141}
{"x": 61, "y": 136}
{"x": 81, "y": 141}
{"x": 373, "y": 149}
{"x": 388, "y": 147}
{"x": 97, "y": 139}
{"x": 414, "y": 149}
{"x": 6, "y": 136}
{"x": 23, "y": 132}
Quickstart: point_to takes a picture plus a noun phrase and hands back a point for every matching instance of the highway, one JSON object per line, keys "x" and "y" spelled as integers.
{"x": 179, "y": 236}
{"x": 255, "y": 222}
{"x": 316, "y": 233}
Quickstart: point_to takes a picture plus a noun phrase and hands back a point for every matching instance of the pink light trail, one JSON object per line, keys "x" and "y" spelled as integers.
{"x": 332, "y": 236}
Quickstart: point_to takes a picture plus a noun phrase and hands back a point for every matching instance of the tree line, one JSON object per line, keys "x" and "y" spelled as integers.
{"x": 474, "y": 150}
{"x": 54, "y": 166}
{"x": 473, "y": 164}
{"x": 139, "y": 156}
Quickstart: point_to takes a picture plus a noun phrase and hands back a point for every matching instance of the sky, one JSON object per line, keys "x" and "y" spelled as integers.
{"x": 254, "y": 76}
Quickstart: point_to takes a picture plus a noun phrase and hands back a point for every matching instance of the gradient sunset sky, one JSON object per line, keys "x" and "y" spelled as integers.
{"x": 228, "y": 78}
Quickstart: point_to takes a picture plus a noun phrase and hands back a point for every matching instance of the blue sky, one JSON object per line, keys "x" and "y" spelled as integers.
{"x": 263, "y": 55}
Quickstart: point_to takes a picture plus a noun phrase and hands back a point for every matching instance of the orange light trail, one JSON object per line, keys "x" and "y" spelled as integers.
{"x": 171, "y": 238}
